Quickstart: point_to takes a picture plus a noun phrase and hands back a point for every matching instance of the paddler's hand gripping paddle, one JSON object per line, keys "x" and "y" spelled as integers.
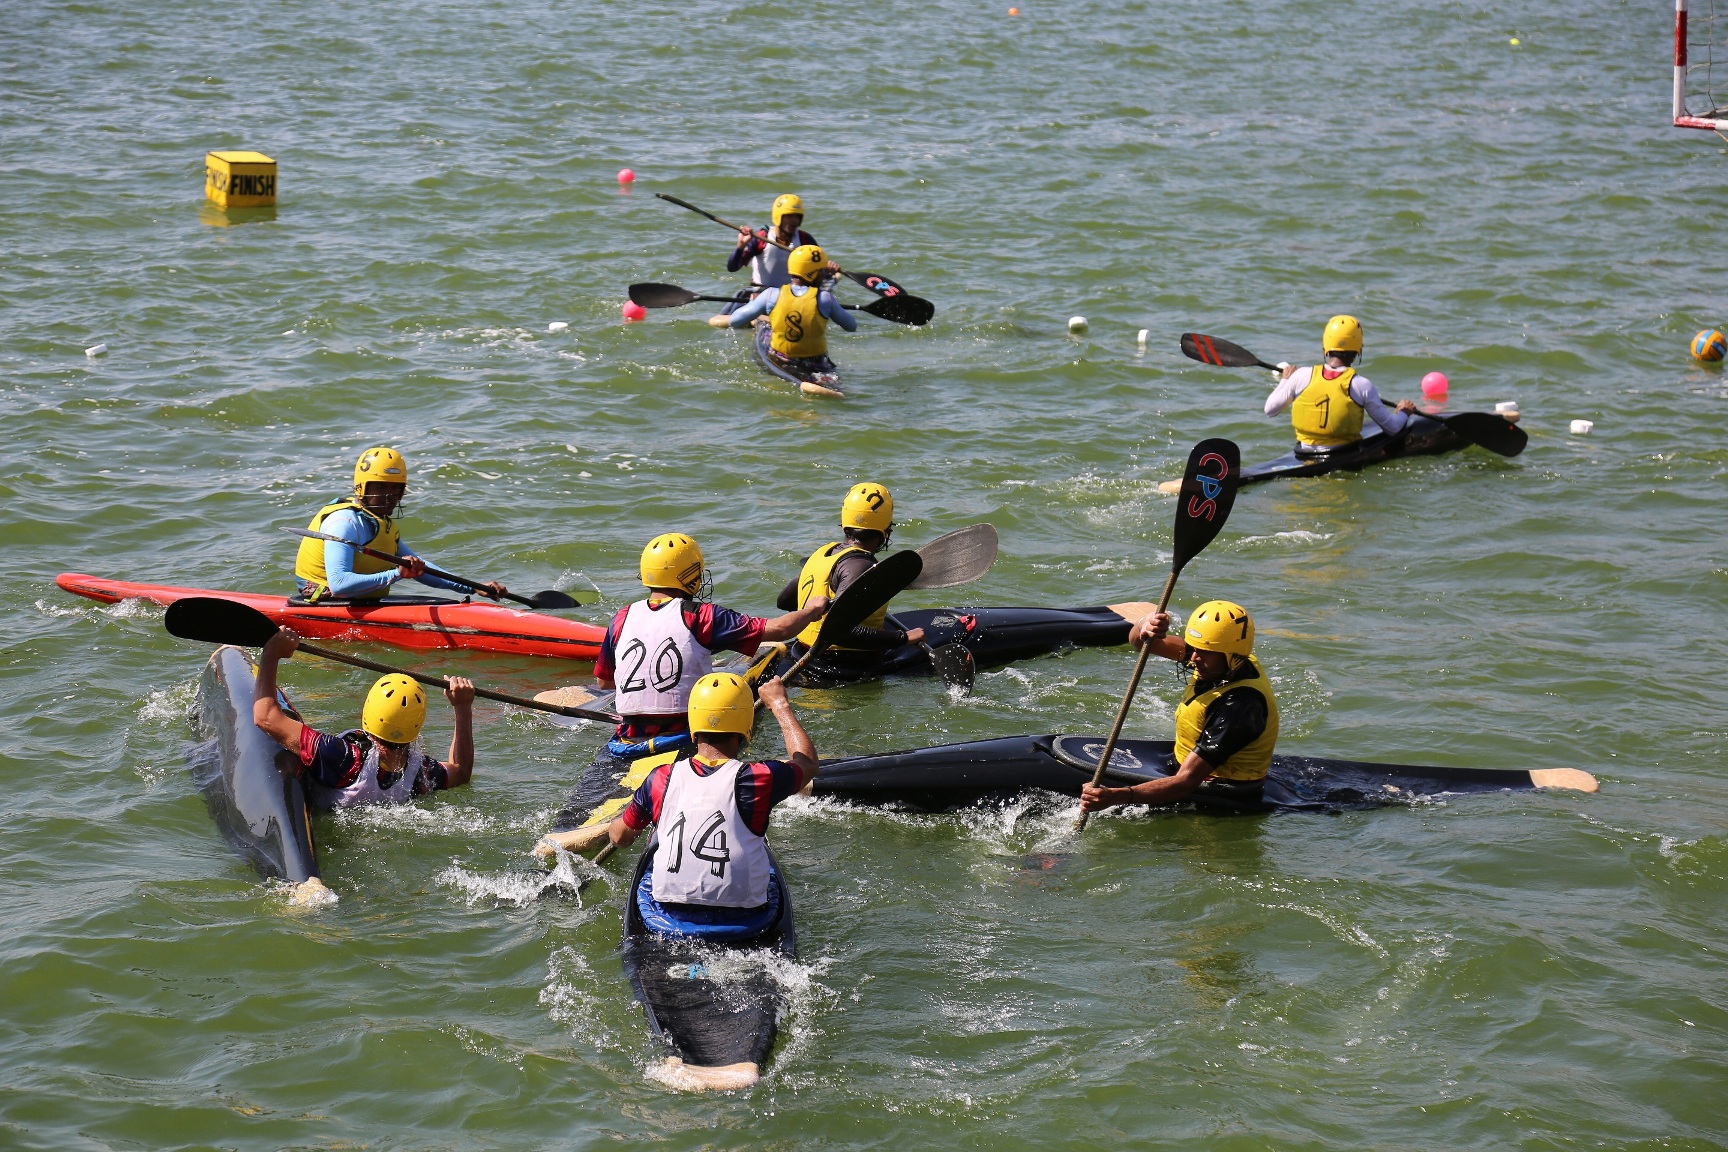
{"x": 1483, "y": 429}
{"x": 546, "y": 599}
{"x": 1208, "y": 492}
{"x": 216, "y": 621}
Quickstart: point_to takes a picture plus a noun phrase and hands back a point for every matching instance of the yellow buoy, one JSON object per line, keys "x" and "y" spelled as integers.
{"x": 240, "y": 179}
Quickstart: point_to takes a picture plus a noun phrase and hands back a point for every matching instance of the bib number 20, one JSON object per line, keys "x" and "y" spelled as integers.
{"x": 665, "y": 673}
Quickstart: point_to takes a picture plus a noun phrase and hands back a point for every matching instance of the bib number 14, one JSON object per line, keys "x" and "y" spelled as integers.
{"x": 710, "y": 844}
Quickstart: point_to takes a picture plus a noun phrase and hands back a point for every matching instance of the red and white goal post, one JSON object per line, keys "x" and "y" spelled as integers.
{"x": 1701, "y": 64}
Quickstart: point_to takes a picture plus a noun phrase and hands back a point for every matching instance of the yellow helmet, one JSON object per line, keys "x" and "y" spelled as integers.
{"x": 1220, "y": 626}
{"x": 868, "y": 506}
{"x": 395, "y": 709}
{"x": 1343, "y": 334}
{"x": 787, "y": 205}
{"x": 672, "y": 560}
{"x": 722, "y": 702}
{"x": 807, "y": 262}
{"x": 380, "y": 464}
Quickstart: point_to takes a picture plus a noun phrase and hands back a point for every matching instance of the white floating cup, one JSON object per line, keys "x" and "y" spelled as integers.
{"x": 1506, "y": 407}
{"x": 1582, "y": 427}
{"x": 1076, "y": 324}
{"x": 557, "y": 326}
{"x": 96, "y": 350}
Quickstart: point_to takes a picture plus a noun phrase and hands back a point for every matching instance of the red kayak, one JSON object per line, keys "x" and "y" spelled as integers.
{"x": 408, "y": 622}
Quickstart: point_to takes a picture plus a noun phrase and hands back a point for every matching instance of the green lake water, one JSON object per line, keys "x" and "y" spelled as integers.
{"x": 1522, "y": 970}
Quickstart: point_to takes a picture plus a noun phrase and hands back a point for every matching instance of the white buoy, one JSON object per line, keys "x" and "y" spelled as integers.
{"x": 96, "y": 350}
{"x": 1076, "y": 323}
{"x": 1141, "y": 338}
{"x": 1506, "y": 407}
{"x": 1582, "y": 427}
{"x": 557, "y": 326}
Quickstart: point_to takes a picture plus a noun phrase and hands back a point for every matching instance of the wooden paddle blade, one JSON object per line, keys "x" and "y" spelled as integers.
{"x": 1488, "y": 430}
{"x": 1220, "y": 352}
{"x": 956, "y": 666}
{"x": 1207, "y": 495}
{"x": 661, "y": 295}
{"x": 216, "y": 621}
{"x": 864, "y": 595}
{"x": 960, "y": 557}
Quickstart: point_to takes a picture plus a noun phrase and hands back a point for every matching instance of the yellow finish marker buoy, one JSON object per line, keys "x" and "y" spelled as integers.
{"x": 1513, "y": 41}
{"x": 240, "y": 179}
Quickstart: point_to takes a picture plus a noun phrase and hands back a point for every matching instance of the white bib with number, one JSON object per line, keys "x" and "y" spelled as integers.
{"x": 658, "y": 661}
{"x": 707, "y": 855}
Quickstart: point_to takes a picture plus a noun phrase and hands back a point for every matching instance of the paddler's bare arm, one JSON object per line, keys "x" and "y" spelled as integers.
{"x": 800, "y": 749}
{"x": 266, "y": 709}
{"x": 460, "y": 765}
{"x": 1167, "y": 790}
{"x": 787, "y": 626}
{"x": 1153, "y": 630}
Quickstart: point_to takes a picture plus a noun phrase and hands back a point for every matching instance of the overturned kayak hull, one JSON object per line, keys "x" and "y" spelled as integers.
{"x": 809, "y": 383}
{"x": 716, "y": 1021}
{"x": 419, "y": 623}
{"x": 952, "y": 776}
{"x": 247, "y": 780}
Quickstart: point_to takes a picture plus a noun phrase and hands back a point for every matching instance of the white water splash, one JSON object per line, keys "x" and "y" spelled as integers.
{"x": 516, "y": 887}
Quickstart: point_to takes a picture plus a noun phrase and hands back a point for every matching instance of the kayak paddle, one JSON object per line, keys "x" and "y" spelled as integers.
{"x": 858, "y": 600}
{"x": 876, "y": 283}
{"x": 960, "y": 557}
{"x": 216, "y": 621}
{"x": 953, "y": 662}
{"x": 1208, "y": 492}
{"x": 546, "y": 599}
{"x": 1483, "y": 429}
{"x": 896, "y": 309}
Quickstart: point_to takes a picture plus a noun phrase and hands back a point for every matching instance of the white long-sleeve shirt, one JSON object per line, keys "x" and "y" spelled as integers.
{"x": 1361, "y": 390}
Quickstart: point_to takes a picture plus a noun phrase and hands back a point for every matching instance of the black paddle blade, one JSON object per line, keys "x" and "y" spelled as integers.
{"x": 878, "y": 284}
{"x": 661, "y": 295}
{"x": 958, "y": 558}
{"x": 869, "y": 592}
{"x": 1224, "y": 354}
{"x": 551, "y": 598}
{"x": 912, "y": 311}
{"x": 216, "y": 621}
{"x": 1487, "y": 430}
{"x": 955, "y": 665}
{"x": 1208, "y": 492}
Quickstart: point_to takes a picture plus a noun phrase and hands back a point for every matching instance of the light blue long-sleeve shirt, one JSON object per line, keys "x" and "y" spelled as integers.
{"x": 764, "y": 304}
{"x": 344, "y": 582}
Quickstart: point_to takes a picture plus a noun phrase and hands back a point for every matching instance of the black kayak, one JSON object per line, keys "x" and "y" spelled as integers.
{"x": 994, "y": 636}
{"x": 952, "y": 776}
{"x": 716, "y": 1032}
{"x": 1421, "y": 437}
{"x": 248, "y": 781}
{"x": 809, "y": 383}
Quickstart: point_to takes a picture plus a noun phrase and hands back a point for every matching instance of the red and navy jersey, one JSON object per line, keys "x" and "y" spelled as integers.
{"x": 335, "y": 762}
{"x": 742, "y": 256}
{"x": 715, "y": 628}
{"x": 760, "y": 786}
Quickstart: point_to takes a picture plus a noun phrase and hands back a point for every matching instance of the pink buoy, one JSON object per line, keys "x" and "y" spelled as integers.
{"x": 634, "y": 312}
{"x": 626, "y": 176}
{"x": 1434, "y": 386}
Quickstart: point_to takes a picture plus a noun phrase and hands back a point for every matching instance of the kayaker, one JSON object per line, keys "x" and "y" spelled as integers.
{"x": 657, "y": 648}
{"x": 379, "y": 763}
{"x": 1328, "y": 400}
{"x": 1226, "y": 721}
{"x": 866, "y": 526}
{"x": 798, "y": 313}
{"x": 711, "y": 865}
{"x": 767, "y": 260}
{"x": 327, "y": 569}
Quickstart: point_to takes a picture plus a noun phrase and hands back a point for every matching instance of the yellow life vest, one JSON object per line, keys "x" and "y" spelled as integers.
{"x": 1324, "y": 415}
{"x": 814, "y": 581}
{"x": 1251, "y": 762}
{"x": 798, "y": 330}
{"x": 309, "y": 561}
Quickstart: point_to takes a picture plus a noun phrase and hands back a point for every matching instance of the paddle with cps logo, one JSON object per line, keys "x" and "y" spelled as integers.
{"x": 1207, "y": 495}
